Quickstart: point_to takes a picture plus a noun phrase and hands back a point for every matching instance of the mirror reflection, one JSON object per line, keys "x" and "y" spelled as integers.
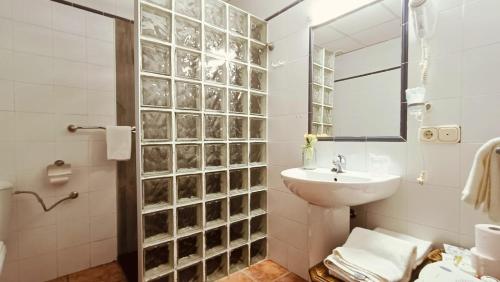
{"x": 357, "y": 74}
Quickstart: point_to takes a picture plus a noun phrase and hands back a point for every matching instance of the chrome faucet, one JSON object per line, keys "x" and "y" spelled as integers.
{"x": 339, "y": 164}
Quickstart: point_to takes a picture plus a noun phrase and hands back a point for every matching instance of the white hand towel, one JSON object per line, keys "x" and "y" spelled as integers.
{"x": 483, "y": 185}
{"x": 119, "y": 142}
{"x": 3, "y": 253}
{"x": 386, "y": 256}
{"x": 423, "y": 247}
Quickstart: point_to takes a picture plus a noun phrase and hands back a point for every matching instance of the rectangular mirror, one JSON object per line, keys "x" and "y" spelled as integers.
{"x": 358, "y": 74}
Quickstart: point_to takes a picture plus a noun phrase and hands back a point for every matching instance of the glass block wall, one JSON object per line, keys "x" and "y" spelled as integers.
{"x": 322, "y": 91}
{"x": 202, "y": 98}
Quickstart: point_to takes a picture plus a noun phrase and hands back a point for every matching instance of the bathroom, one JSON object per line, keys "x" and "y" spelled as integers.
{"x": 166, "y": 138}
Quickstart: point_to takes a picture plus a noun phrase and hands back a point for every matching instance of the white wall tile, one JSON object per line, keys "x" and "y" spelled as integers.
{"x": 288, "y": 205}
{"x": 103, "y": 251}
{"x": 76, "y": 208}
{"x": 31, "y": 215}
{"x": 68, "y": 19}
{"x": 102, "y": 178}
{"x": 7, "y": 95}
{"x": 481, "y": 23}
{"x": 33, "y": 98}
{"x": 100, "y": 52}
{"x": 435, "y": 235}
{"x": 103, "y": 226}
{"x": 101, "y": 78}
{"x": 73, "y": 232}
{"x": 73, "y": 259}
{"x": 38, "y": 268}
{"x": 6, "y": 33}
{"x": 101, "y": 103}
{"x": 32, "y": 68}
{"x": 34, "y": 155}
{"x": 70, "y": 100}
{"x": 32, "y": 39}
{"x": 277, "y": 251}
{"x": 69, "y": 46}
{"x": 37, "y": 241}
{"x": 99, "y": 27}
{"x": 102, "y": 201}
{"x": 478, "y": 118}
{"x": 69, "y": 73}
{"x": 6, "y": 8}
{"x": 39, "y": 12}
{"x": 35, "y": 127}
{"x": 6, "y": 64}
{"x": 75, "y": 153}
{"x": 298, "y": 262}
{"x": 480, "y": 66}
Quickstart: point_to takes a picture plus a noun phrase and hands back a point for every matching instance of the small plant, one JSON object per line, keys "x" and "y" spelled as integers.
{"x": 310, "y": 141}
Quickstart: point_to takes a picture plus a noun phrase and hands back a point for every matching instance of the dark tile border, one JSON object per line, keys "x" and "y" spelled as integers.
{"x": 91, "y": 10}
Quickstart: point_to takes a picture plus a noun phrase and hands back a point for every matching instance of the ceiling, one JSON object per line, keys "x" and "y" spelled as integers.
{"x": 261, "y": 8}
{"x": 368, "y": 26}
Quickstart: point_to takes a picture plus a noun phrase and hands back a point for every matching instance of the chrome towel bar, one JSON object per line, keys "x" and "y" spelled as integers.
{"x": 73, "y": 128}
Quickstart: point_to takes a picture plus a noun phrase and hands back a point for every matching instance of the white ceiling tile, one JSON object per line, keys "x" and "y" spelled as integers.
{"x": 363, "y": 19}
{"x": 326, "y": 34}
{"x": 380, "y": 33}
{"x": 394, "y": 6}
{"x": 344, "y": 44}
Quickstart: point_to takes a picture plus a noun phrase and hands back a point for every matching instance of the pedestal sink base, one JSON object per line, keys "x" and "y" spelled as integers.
{"x": 328, "y": 229}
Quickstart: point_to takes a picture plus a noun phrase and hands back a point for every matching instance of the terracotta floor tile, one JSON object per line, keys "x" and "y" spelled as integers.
{"x": 290, "y": 277}
{"x": 236, "y": 277}
{"x": 106, "y": 273}
{"x": 60, "y": 279}
{"x": 266, "y": 271}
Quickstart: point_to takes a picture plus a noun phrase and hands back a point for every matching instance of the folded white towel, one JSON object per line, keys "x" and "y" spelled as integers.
{"x": 423, "y": 247}
{"x": 3, "y": 253}
{"x": 119, "y": 142}
{"x": 389, "y": 257}
{"x": 483, "y": 185}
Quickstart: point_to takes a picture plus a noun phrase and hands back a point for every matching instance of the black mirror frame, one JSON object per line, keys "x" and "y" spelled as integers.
{"x": 404, "y": 85}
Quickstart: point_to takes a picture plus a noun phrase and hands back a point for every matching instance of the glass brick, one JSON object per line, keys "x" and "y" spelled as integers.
{"x": 188, "y": 64}
{"x": 258, "y": 79}
{"x": 215, "y": 240}
{"x": 188, "y": 96}
{"x": 237, "y": 127}
{"x": 215, "y": 99}
{"x": 215, "y": 184}
{"x": 189, "y": 249}
{"x": 157, "y": 226}
{"x": 258, "y": 30}
{"x": 190, "y": 8}
{"x": 237, "y": 101}
{"x": 238, "y": 21}
{"x": 238, "y": 233}
{"x": 238, "y": 181}
{"x": 258, "y": 178}
{"x": 215, "y": 13}
{"x": 257, "y": 128}
{"x": 238, "y": 259}
{"x": 157, "y": 192}
{"x": 215, "y": 41}
{"x": 215, "y": 70}
{"x": 188, "y": 127}
{"x": 258, "y": 251}
{"x": 257, "y": 153}
{"x": 258, "y": 55}
{"x": 216, "y": 268}
{"x": 192, "y": 273}
{"x": 158, "y": 260}
{"x": 238, "y": 207}
{"x": 163, "y": 3}
{"x": 156, "y": 58}
{"x": 156, "y": 24}
{"x": 215, "y": 212}
{"x": 189, "y": 188}
{"x": 258, "y": 203}
{"x": 238, "y": 48}
{"x": 214, "y": 127}
{"x": 187, "y": 33}
{"x": 238, "y": 154}
{"x": 257, "y": 104}
{"x": 238, "y": 74}
{"x": 156, "y": 126}
{"x": 189, "y": 219}
{"x": 188, "y": 157}
{"x": 215, "y": 156}
{"x": 157, "y": 159}
{"x": 258, "y": 227}
{"x": 156, "y": 92}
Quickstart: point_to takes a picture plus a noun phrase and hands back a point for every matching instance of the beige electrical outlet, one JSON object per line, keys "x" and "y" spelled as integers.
{"x": 428, "y": 134}
{"x": 440, "y": 134}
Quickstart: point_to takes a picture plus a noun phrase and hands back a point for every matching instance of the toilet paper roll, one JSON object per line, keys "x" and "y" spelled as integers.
{"x": 485, "y": 265}
{"x": 488, "y": 240}
{"x": 59, "y": 174}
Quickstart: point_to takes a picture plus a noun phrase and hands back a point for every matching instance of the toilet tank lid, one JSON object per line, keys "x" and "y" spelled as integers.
{"x": 5, "y": 185}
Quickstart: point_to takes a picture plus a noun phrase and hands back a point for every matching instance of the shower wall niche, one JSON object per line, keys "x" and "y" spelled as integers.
{"x": 202, "y": 118}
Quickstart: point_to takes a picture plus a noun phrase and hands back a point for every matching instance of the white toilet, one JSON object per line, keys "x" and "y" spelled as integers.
{"x": 5, "y": 204}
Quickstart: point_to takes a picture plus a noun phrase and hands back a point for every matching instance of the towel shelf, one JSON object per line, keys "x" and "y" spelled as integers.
{"x": 74, "y": 128}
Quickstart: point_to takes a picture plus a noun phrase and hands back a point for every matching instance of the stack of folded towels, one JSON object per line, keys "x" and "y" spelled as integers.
{"x": 379, "y": 256}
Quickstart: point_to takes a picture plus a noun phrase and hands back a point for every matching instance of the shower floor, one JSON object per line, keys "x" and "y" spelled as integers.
{"x": 265, "y": 271}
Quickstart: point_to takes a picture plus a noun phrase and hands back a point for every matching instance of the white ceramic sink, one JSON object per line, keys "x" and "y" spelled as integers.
{"x": 329, "y": 189}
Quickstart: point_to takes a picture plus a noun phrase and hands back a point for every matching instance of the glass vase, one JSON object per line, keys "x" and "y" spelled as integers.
{"x": 308, "y": 158}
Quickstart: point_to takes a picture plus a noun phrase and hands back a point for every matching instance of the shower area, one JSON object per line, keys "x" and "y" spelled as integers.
{"x": 201, "y": 116}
